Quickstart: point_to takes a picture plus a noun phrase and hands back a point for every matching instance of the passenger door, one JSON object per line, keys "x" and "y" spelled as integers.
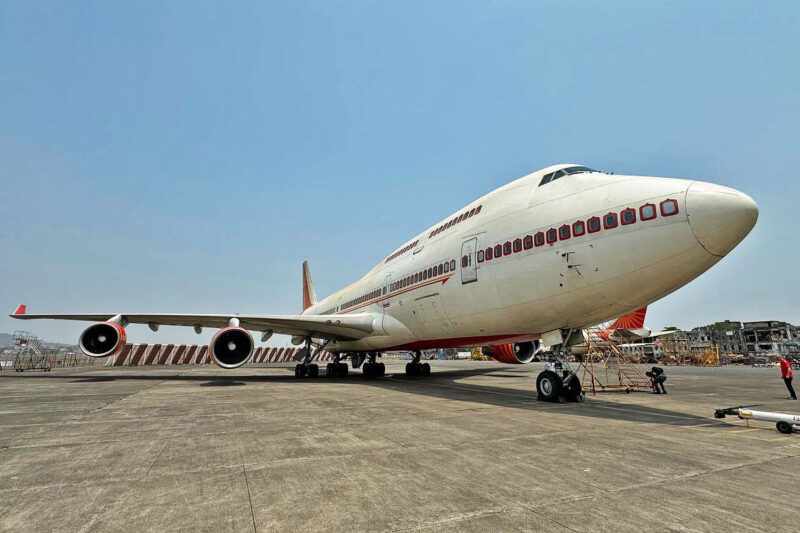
{"x": 469, "y": 263}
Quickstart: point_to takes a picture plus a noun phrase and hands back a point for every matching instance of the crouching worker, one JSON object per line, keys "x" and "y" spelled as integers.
{"x": 657, "y": 379}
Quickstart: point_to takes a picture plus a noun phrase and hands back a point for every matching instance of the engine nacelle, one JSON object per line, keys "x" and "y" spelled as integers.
{"x": 231, "y": 347}
{"x": 516, "y": 354}
{"x": 102, "y": 339}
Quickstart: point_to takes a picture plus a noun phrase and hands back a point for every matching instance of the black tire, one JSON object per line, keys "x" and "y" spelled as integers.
{"x": 330, "y": 370}
{"x": 413, "y": 369}
{"x": 342, "y": 370}
{"x": 381, "y": 370}
{"x": 313, "y": 371}
{"x": 368, "y": 369}
{"x": 299, "y": 371}
{"x": 425, "y": 369}
{"x": 784, "y": 427}
{"x": 572, "y": 390}
{"x": 548, "y": 386}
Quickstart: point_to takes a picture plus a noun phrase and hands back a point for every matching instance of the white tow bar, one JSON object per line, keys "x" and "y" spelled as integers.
{"x": 784, "y": 422}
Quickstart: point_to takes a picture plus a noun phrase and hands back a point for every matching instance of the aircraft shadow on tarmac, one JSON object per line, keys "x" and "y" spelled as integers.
{"x": 442, "y": 384}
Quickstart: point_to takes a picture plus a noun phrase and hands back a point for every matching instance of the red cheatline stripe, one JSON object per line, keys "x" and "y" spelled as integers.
{"x": 441, "y": 279}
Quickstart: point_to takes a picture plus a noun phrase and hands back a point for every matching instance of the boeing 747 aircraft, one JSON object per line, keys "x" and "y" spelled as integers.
{"x": 541, "y": 257}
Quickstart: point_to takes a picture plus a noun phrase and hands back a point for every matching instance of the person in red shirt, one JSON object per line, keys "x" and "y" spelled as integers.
{"x": 787, "y": 374}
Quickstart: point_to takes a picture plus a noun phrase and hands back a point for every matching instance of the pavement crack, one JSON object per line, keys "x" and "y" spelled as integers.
{"x": 249, "y": 498}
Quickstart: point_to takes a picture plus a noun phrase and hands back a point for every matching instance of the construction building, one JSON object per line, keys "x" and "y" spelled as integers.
{"x": 771, "y": 338}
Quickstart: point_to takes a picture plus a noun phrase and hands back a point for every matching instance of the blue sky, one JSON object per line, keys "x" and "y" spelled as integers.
{"x": 187, "y": 156}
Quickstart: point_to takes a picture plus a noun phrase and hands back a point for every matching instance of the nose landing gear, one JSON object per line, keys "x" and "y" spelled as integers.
{"x": 558, "y": 384}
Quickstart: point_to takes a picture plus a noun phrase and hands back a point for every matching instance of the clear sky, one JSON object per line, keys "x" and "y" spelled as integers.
{"x": 186, "y": 156}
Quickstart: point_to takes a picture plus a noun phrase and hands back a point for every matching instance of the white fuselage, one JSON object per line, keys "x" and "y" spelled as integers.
{"x": 581, "y": 278}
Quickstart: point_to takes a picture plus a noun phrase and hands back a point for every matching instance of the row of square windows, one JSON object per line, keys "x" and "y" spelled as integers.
{"x": 424, "y": 274}
{"x": 626, "y": 217}
{"x": 401, "y": 251}
{"x": 411, "y": 279}
{"x": 460, "y": 218}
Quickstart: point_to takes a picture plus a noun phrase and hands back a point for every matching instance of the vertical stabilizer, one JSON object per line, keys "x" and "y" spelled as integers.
{"x": 633, "y": 320}
{"x": 309, "y": 296}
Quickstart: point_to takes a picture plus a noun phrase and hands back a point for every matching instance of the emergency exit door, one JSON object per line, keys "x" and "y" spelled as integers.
{"x": 469, "y": 263}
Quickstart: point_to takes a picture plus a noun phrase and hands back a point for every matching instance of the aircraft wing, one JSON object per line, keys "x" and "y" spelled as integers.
{"x": 339, "y": 327}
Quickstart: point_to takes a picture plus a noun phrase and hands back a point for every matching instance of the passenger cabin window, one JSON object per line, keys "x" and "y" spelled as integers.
{"x": 669, "y": 208}
{"x": 538, "y": 239}
{"x": 480, "y": 257}
{"x": 628, "y": 216}
{"x": 610, "y": 221}
{"x": 527, "y": 242}
{"x": 593, "y": 224}
{"x": 647, "y": 212}
{"x": 517, "y": 245}
{"x": 489, "y": 254}
{"x": 564, "y": 232}
{"x": 578, "y": 228}
{"x": 552, "y": 235}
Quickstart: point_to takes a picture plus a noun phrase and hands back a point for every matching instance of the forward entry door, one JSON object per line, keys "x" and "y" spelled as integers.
{"x": 469, "y": 263}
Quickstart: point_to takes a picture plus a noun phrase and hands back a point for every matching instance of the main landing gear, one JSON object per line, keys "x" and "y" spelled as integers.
{"x": 373, "y": 369}
{"x": 336, "y": 369}
{"x": 306, "y": 368}
{"x": 558, "y": 384}
{"x": 415, "y": 368}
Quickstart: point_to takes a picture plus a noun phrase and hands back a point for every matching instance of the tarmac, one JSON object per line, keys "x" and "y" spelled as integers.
{"x": 467, "y": 449}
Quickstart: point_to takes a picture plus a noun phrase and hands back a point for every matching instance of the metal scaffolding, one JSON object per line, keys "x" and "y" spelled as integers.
{"x": 30, "y": 353}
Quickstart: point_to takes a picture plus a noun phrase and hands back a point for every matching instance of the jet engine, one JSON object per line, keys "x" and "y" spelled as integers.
{"x": 231, "y": 347}
{"x": 517, "y": 354}
{"x": 102, "y": 339}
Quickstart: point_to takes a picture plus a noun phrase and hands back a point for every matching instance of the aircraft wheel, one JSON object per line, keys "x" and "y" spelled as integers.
{"x": 548, "y": 386}
{"x": 572, "y": 389}
{"x": 313, "y": 371}
{"x": 369, "y": 370}
{"x": 381, "y": 370}
{"x": 425, "y": 369}
{"x": 299, "y": 371}
{"x": 784, "y": 427}
{"x": 341, "y": 370}
{"x": 412, "y": 369}
{"x": 330, "y": 370}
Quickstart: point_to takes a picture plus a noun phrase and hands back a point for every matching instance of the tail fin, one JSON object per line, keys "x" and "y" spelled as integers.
{"x": 633, "y": 320}
{"x": 21, "y": 310}
{"x": 309, "y": 296}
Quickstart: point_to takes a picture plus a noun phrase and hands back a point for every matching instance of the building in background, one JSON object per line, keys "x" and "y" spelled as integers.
{"x": 771, "y": 338}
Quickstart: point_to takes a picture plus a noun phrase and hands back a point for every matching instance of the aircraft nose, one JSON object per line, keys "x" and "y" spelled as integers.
{"x": 720, "y": 217}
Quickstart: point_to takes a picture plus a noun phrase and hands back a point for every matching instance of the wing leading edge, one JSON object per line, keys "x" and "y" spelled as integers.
{"x": 338, "y": 327}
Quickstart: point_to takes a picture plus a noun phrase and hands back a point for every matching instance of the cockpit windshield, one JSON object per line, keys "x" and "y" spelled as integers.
{"x": 552, "y": 176}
